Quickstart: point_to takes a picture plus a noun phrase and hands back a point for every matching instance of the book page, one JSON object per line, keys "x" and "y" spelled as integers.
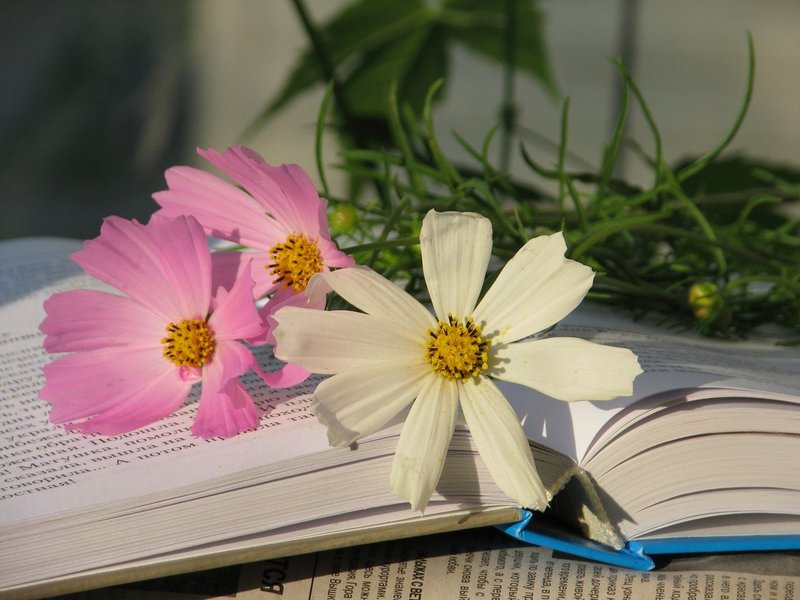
{"x": 481, "y": 565}
{"x": 45, "y": 469}
{"x": 671, "y": 361}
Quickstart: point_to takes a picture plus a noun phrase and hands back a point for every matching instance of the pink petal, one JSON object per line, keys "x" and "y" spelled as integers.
{"x": 224, "y": 210}
{"x": 187, "y": 260}
{"x": 88, "y": 319}
{"x": 331, "y": 255}
{"x": 226, "y": 412}
{"x": 227, "y": 266}
{"x": 235, "y": 314}
{"x": 285, "y": 191}
{"x": 164, "y": 265}
{"x": 287, "y": 376}
{"x": 309, "y": 211}
{"x": 225, "y": 406}
{"x": 230, "y": 359}
{"x": 112, "y": 390}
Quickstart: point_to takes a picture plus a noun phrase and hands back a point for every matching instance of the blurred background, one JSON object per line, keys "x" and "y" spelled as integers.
{"x": 98, "y": 98}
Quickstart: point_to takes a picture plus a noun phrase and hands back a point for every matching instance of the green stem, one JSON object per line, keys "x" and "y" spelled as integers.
{"x": 651, "y": 123}
{"x": 451, "y": 176}
{"x": 598, "y": 235}
{"x": 325, "y": 62}
{"x": 701, "y": 163}
{"x": 508, "y": 112}
{"x": 393, "y": 243}
{"x": 565, "y": 184}
{"x": 611, "y": 154}
{"x": 401, "y": 139}
{"x": 665, "y": 230}
{"x": 323, "y": 113}
{"x": 701, "y": 220}
{"x": 389, "y": 225}
{"x": 634, "y": 289}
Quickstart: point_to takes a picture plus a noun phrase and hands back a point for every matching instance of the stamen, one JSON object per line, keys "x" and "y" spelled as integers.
{"x": 295, "y": 261}
{"x": 189, "y": 343}
{"x": 456, "y": 350}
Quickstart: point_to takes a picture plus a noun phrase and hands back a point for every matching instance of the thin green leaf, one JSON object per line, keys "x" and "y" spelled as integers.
{"x": 648, "y": 116}
{"x": 451, "y": 175}
{"x": 700, "y": 163}
{"x": 321, "y": 119}
{"x": 401, "y": 140}
{"x": 612, "y": 150}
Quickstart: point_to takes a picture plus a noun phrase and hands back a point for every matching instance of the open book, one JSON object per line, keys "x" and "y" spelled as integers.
{"x": 708, "y": 448}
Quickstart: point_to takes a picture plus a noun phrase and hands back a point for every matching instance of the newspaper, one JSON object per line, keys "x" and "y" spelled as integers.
{"x": 472, "y": 567}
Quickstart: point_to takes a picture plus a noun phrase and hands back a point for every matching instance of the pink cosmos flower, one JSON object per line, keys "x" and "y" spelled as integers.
{"x": 278, "y": 213}
{"x": 134, "y": 357}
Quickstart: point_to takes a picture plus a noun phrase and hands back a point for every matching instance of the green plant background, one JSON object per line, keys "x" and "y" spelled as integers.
{"x": 709, "y": 244}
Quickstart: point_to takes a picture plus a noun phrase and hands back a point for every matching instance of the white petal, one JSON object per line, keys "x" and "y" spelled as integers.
{"x": 423, "y": 443}
{"x": 501, "y": 442}
{"x": 359, "y": 401}
{"x": 455, "y": 253}
{"x": 333, "y": 341}
{"x": 568, "y": 368}
{"x": 537, "y": 288}
{"x": 375, "y": 295}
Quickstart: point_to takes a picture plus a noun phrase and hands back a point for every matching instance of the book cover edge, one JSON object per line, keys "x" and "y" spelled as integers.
{"x": 636, "y": 554}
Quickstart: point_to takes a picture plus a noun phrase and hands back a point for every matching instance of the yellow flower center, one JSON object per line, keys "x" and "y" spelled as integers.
{"x": 456, "y": 350}
{"x": 189, "y": 343}
{"x": 295, "y": 261}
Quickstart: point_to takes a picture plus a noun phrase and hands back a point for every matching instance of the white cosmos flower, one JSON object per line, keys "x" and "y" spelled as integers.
{"x": 397, "y": 353}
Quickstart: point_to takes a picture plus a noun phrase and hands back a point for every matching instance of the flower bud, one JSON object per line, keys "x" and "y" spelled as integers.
{"x": 704, "y": 299}
{"x": 342, "y": 217}
{"x": 708, "y": 305}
